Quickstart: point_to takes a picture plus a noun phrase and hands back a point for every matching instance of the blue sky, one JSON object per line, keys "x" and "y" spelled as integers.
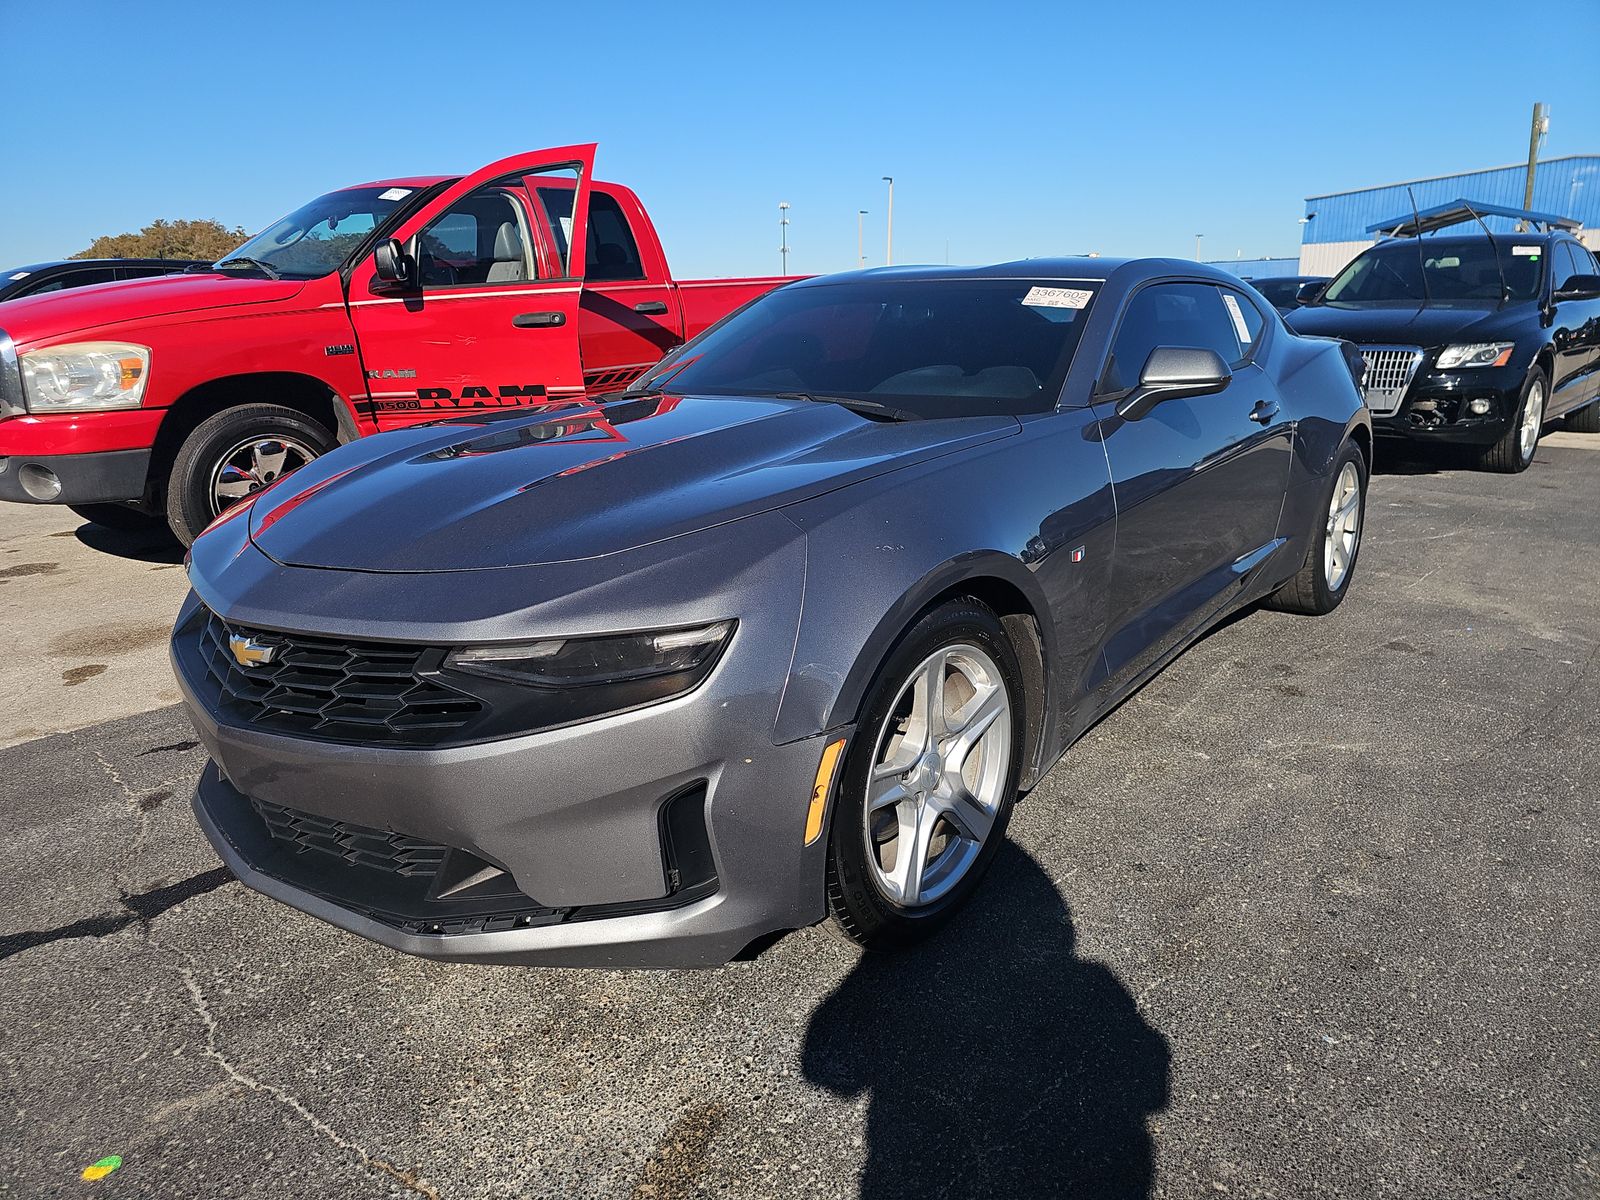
{"x": 1011, "y": 129}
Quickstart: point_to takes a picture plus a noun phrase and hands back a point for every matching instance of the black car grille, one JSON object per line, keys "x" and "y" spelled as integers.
{"x": 356, "y": 844}
{"x": 367, "y": 692}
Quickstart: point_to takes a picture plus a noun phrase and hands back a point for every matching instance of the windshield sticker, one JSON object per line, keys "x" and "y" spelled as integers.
{"x": 20, "y": 274}
{"x": 1527, "y": 251}
{"x": 1053, "y": 297}
{"x": 1239, "y": 327}
{"x": 394, "y": 194}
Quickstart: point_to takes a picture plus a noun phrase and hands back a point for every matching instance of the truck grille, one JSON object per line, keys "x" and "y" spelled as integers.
{"x": 1389, "y": 373}
{"x": 355, "y": 844}
{"x": 368, "y": 692}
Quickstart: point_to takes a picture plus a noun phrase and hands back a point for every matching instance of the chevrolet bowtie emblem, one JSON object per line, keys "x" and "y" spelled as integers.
{"x": 248, "y": 652}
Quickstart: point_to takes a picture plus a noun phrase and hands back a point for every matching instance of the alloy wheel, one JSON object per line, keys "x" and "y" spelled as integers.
{"x": 251, "y": 465}
{"x": 1343, "y": 528}
{"x": 1532, "y": 421}
{"x": 939, "y": 775}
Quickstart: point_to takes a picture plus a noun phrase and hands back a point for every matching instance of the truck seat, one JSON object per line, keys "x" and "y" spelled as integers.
{"x": 508, "y": 266}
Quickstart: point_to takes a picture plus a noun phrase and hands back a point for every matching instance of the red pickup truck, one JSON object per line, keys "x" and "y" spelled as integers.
{"x": 370, "y": 308}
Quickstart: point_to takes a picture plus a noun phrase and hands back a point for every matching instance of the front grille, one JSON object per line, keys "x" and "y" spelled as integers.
{"x": 1389, "y": 373}
{"x": 357, "y": 845}
{"x": 368, "y": 692}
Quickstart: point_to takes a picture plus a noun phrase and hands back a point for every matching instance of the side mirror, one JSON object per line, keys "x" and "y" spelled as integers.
{"x": 396, "y": 270}
{"x": 1174, "y": 373}
{"x": 1308, "y": 293}
{"x": 1579, "y": 287}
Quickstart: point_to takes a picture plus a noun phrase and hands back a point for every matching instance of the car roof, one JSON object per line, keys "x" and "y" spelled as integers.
{"x": 1092, "y": 270}
{"x": 53, "y": 264}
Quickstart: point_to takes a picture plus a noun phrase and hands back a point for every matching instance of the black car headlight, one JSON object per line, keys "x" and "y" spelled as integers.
{"x": 561, "y": 680}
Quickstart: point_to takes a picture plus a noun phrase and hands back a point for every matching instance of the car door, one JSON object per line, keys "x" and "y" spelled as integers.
{"x": 1198, "y": 482}
{"x": 491, "y": 320}
{"x": 1575, "y": 336}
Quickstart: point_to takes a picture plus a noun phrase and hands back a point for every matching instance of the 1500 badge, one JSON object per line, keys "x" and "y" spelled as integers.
{"x": 506, "y": 395}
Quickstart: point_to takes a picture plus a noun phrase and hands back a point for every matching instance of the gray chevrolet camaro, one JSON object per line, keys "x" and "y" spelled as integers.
{"x": 780, "y": 633}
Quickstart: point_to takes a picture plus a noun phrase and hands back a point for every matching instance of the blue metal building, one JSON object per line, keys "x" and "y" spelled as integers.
{"x": 1336, "y": 224}
{"x": 1258, "y": 268}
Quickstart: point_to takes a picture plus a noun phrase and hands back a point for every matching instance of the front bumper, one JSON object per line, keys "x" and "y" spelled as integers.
{"x": 105, "y": 477}
{"x": 1436, "y": 407}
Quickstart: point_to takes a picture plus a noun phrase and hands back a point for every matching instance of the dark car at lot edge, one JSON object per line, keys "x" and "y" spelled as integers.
{"x": 1471, "y": 340}
{"x": 777, "y": 634}
{"x": 39, "y": 278}
{"x": 1283, "y": 292}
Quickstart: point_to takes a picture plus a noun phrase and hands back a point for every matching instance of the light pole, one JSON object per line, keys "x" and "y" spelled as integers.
{"x": 783, "y": 234}
{"x": 861, "y": 254}
{"x": 1197, "y": 238}
{"x": 888, "y": 255}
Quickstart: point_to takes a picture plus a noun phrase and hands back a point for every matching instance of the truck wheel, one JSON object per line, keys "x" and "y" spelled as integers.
{"x": 1585, "y": 420}
{"x": 124, "y": 518}
{"x": 1515, "y": 449}
{"x": 233, "y": 455}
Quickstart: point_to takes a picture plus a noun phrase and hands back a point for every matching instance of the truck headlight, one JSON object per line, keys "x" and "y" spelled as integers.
{"x": 84, "y": 377}
{"x": 1475, "y": 354}
{"x": 685, "y": 654}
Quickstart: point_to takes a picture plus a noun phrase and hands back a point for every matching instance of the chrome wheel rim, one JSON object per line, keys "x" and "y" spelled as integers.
{"x": 251, "y": 465}
{"x": 1532, "y": 421}
{"x": 940, "y": 767}
{"x": 1343, "y": 528}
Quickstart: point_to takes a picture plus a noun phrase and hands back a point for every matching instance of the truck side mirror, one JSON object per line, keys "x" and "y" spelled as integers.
{"x": 1308, "y": 293}
{"x": 1175, "y": 373}
{"x": 396, "y": 270}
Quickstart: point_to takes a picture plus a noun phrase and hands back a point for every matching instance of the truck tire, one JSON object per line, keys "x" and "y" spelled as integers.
{"x": 234, "y": 454}
{"x": 1517, "y": 446}
{"x": 124, "y": 518}
{"x": 1585, "y": 420}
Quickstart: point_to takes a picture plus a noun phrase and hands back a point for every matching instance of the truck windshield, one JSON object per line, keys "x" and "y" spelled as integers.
{"x": 925, "y": 347}
{"x": 1458, "y": 270}
{"x": 316, "y": 239}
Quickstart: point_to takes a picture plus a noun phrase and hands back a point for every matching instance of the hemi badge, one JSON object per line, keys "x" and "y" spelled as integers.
{"x": 335, "y": 351}
{"x": 1077, "y": 555}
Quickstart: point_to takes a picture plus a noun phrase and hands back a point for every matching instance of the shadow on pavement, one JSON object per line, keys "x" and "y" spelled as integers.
{"x": 1397, "y": 457}
{"x": 151, "y": 546}
{"x": 998, "y": 1062}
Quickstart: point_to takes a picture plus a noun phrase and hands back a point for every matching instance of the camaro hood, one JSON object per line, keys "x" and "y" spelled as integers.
{"x": 578, "y": 480}
{"x": 53, "y": 314}
{"x": 1401, "y": 325}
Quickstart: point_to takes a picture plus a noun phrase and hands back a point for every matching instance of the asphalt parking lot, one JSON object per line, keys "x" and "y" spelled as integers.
{"x": 1313, "y": 914}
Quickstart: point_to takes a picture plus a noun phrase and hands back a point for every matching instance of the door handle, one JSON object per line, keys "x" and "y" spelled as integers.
{"x": 539, "y": 320}
{"x": 1264, "y": 411}
{"x": 650, "y": 308}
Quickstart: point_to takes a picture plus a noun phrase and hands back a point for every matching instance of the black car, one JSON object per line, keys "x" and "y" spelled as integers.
{"x": 80, "y": 272}
{"x": 1471, "y": 340}
{"x": 1284, "y": 291}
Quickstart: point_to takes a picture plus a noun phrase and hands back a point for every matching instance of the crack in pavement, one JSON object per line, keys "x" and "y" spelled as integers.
{"x": 202, "y": 1009}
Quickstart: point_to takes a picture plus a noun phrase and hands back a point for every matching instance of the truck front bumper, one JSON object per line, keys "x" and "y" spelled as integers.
{"x": 99, "y": 478}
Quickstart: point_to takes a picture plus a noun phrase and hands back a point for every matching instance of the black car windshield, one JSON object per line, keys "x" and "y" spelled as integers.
{"x": 1457, "y": 271}
{"x": 316, "y": 239}
{"x": 1279, "y": 293}
{"x": 926, "y": 347}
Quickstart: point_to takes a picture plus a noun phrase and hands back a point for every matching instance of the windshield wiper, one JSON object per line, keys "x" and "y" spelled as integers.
{"x": 267, "y": 269}
{"x": 866, "y": 408}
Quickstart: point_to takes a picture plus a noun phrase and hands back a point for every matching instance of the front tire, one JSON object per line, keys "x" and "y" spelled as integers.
{"x": 234, "y": 454}
{"x": 930, "y": 780}
{"x": 124, "y": 518}
{"x": 1515, "y": 450}
{"x": 1330, "y": 563}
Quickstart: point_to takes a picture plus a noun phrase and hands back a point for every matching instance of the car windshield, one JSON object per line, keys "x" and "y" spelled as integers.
{"x": 1457, "y": 270}
{"x": 316, "y": 239}
{"x": 925, "y": 347}
{"x": 1279, "y": 293}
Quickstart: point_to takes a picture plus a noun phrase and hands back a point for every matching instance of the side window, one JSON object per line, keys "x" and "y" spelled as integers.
{"x": 1586, "y": 260}
{"x": 481, "y": 238}
{"x": 1563, "y": 266}
{"x": 613, "y": 254}
{"x": 143, "y": 272}
{"x": 1248, "y": 323}
{"x": 1169, "y": 314}
{"x": 72, "y": 279}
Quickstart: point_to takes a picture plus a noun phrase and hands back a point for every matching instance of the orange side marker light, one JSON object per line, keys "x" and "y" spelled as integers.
{"x": 826, "y": 769}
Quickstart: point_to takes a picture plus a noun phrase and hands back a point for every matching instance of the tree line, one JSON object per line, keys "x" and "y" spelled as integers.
{"x": 204, "y": 239}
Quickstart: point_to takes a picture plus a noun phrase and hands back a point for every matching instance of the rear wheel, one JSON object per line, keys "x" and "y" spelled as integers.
{"x": 1585, "y": 420}
{"x": 928, "y": 785}
{"x": 1515, "y": 449}
{"x": 234, "y": 454}
{"x": 1324, "y": 577}
{"x": 122, "y": 517}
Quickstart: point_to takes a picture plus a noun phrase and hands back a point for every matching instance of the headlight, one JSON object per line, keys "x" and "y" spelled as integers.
{"x": 1476, "y": 354}
{"x": 687, "y": 655}
{"x": 85, "y": 377}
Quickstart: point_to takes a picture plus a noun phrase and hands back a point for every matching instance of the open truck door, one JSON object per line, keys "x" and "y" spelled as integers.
{"x": 474, "y": 302}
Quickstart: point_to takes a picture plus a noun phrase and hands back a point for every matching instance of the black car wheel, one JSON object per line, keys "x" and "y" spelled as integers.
{"x": 1585, "y": 420}
{"x": 929, "y": 782}
{"x": 1517, "y": 446}
{"x": 124, "y": 518}
{"x": 1334, "y": 544}
{"x": 233, "y": 455}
